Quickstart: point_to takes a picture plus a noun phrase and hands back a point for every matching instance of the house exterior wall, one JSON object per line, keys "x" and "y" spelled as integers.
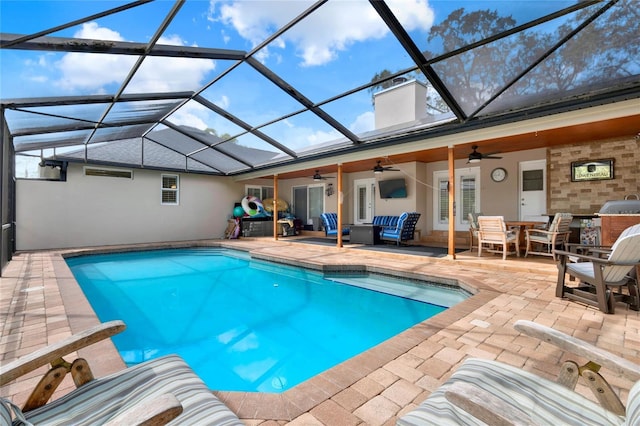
{"x": 495, "y": 198}
{"x": 587, "y": 197}
{"x": 89, "y": 211}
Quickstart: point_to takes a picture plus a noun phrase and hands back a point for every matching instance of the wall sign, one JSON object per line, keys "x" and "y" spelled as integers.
{"x": 591, "y": 170}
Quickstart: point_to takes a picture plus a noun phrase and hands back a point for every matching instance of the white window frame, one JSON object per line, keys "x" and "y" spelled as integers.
{"x": 175, "y": 190}
{"x": 263, "y": 190}
{"x": 307, "y": 207}
{"x": 462, "y": 221}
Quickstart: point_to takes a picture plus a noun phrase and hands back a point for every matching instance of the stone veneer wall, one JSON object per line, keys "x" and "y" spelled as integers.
{"x": 587, "y": 197}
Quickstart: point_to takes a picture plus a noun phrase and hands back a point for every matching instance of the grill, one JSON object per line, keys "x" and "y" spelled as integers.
{"x": 625, "y": 206}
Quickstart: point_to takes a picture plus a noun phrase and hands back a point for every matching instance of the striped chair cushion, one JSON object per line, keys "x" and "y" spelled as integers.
{"x": 633, "y": 406}
{"x": 102, "y": 399}
{"x": 546, "y": 402}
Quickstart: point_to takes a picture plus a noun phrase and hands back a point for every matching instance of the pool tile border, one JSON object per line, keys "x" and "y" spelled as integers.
{"x": 302, "y": 398}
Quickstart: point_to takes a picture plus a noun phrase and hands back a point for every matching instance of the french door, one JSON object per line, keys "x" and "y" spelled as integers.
{"x": 467, "y": 197}
{"x": 364, "y": 190}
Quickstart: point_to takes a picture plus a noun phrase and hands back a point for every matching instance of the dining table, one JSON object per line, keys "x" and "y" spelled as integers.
{"x": 522, "y": 226}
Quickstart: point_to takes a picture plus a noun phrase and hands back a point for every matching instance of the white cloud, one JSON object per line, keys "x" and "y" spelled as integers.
{"x": 92, "y": 72}
{"x": 223, "y": 102}
{"x": 191, "y": 114}
{"x": 329, "y": 30}
{"x": 365, "y": 122}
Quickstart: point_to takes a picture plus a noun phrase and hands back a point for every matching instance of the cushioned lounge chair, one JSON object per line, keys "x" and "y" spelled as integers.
{"x": 330, "y": 222}
{"x": 599, "y": 273}
{"x": 161, "y": 391}
{"x": 557, "y": 235}
{"x": 482, "y": 392}
{"x": 403, "y": 229}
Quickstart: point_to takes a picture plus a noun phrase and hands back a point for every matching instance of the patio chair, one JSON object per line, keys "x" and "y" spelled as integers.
{"x": 492, "y": 231}
{"x": 556, "y": 235}
{"x": 160, "y": 391}
{"x": 404, "y": 229}
{"x": 330, "y": 222}
{"x": 473, "y": 228}
{"x": 598, "y": 272}
{"x": 482, "y": 392}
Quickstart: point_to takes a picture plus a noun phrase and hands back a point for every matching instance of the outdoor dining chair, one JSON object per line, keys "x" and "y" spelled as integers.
{"x": 473, "y": 228}
{"x": 557, "y": 235}
{"x": 492, "y": 231}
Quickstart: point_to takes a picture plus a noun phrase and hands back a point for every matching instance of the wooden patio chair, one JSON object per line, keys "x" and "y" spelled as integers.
{"x": 160, "y": 391}
{"x": 556, "y": 235}
{"x": 598, "y": 272}
{"x": 492, "y": 231}
{"x": 473, "y": 228}
{"x": 487, "y": 392}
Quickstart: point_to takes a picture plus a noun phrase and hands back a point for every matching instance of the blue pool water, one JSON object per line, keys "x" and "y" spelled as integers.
{"x": 242, "y": 324}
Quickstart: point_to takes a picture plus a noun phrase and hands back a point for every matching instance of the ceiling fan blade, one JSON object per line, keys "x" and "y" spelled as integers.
{"x": 379, "y": 168}
{"x": 491, "y": 157}
{"x": 317, "y": 176}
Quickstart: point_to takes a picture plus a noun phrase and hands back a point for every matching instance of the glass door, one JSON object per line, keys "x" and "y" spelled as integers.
{"x": 467, "y": 197}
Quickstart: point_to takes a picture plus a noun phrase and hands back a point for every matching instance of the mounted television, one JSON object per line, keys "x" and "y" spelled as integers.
{"x": 393, "y": 188}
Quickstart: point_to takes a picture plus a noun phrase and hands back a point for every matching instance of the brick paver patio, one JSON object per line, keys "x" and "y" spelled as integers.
{"x": 40, "y": 303}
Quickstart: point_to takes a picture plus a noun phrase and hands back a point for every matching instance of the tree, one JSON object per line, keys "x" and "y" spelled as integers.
{"x": 475, "y": 75}
{"x": 224, "y": 136}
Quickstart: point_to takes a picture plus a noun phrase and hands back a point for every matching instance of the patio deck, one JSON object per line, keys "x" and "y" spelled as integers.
{"x": 40, "y": 303}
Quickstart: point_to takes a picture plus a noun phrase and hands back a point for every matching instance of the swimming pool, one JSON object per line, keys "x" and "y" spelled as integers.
{"x": 243, "y": 324}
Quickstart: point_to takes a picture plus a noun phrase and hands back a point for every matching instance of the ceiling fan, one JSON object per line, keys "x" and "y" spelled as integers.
{"x": 317, "y": 176}
{"x": 380, "y": 168}
{"x": 475, "y": 156}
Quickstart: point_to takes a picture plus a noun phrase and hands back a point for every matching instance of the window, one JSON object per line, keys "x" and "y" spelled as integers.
{"x": 467, "y": 197}
{"x": 308, "y": 203}
{"x": 261, "y": 192}
{"x": 170, "y": 189}
{"x": 532, "y": 180}
{"x": 117, "y": 173}
{"x": 443, "y": 201}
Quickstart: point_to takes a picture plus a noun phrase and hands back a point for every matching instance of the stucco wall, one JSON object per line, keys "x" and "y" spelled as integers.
{"x": 89, "y": 210}
{"x": 495, "y": 198}
{"x": 588, "y": 196}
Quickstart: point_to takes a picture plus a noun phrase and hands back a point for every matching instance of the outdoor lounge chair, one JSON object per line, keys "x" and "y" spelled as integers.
{"x": 487, "y": 392}
{"x": 160, "y": 391}
{"x": 556, "y": 235}
{"x": 492, "y": 231}
{"x": 330, "y": 222}
{"x": 403, "y": 230}
{"x": 600, "y": 271}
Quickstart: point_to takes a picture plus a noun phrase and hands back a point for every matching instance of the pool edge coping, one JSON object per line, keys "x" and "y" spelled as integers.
{"x": 303, "y": 397}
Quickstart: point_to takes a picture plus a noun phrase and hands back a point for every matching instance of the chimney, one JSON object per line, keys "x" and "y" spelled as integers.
{"x": 404, "y": 102}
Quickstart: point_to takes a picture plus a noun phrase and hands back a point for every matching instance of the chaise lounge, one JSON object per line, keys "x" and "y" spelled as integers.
{"x": 160, "y": 391}
{"x": 483, "y": 392}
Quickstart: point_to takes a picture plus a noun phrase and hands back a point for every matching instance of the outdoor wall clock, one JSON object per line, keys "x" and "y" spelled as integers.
{"x": 498, "y": 174}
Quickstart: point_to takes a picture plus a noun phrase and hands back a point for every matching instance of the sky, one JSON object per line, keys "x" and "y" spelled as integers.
{"x": 339, "y": 47}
